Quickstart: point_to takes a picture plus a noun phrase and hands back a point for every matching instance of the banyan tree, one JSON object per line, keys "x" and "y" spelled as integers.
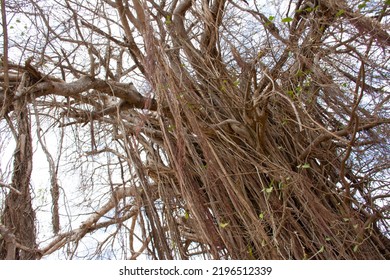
{"x": 184, "y": 129}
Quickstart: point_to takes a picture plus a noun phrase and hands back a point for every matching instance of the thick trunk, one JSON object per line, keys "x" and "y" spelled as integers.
{"x": 18, "y": 215}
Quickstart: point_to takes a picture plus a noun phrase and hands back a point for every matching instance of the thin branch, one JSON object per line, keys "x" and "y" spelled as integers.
{"x": 10, "y": 187}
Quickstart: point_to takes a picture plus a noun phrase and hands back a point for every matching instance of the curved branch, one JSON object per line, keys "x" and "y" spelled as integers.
{"x": 73, "y": 89}
{"x": 91, "y": 224}
{"x": 362, "y": 23}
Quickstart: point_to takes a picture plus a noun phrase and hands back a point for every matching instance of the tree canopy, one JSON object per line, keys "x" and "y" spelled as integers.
{"x": 183, "y": 129}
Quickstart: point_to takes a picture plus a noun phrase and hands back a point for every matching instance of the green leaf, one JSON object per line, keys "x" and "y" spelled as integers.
{"x": 171, "y": 128}
{"x": 340, "y": 13}
{"x": 269, "y": 190}
{"x": 362, "y": 5}
{"x": 309, "y": 9}
{"x": 168, "y": 20}
{"x": 355, "y": 248}
{"x": 287, "y": 19}
{"x": 387, "y": 2}
{"x": 223, "y": 225}
{"x": 261, "y": 54}
{"x": 322, "y": 249}
{"x": 304, "y": 166}
{"x": 272, "y": 17}
{"x": 291, "y": 93}
{"x": 186, "y": 215}
{"x": 261, "y": 215}
{"x": 250, "y": 251}
{"x": 236, "y": 83}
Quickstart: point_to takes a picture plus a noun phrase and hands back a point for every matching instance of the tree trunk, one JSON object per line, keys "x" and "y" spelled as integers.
{"x": 18, "y": 215}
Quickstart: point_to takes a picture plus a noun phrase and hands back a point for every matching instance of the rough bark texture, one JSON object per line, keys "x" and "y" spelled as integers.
{"x": 18, "y": 216}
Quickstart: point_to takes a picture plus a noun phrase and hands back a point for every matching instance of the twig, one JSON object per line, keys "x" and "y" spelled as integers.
{"x": 10, "y": 187}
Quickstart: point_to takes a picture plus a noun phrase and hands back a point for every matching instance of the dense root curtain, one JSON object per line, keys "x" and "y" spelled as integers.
{"x": 18, "y": 227}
